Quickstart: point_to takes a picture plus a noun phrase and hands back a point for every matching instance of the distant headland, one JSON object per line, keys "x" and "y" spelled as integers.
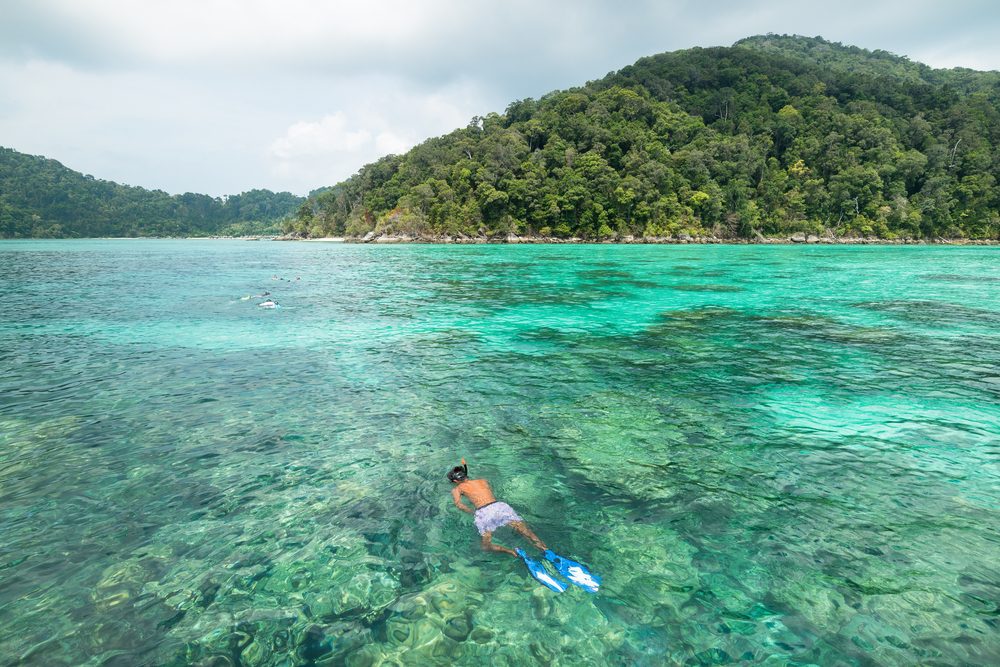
{"x": 774, "y": 139}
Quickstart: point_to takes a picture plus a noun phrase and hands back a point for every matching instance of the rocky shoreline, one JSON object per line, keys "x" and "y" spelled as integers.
{"x": 795, "y": 239}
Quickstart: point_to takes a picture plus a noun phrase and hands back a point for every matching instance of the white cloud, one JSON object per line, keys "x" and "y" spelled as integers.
{"x": 330, "y": 135}
{"x": 389, "y": 144}
{"x": 385, "y": 116}
{"x": 329, "y": 149}
{"x": 148, "y": 129}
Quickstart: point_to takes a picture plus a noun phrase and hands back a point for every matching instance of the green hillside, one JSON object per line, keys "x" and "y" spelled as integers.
{"x": 40, "y": 198}
{"x": 835, "y": 56}
{"x": 757, "y": 138}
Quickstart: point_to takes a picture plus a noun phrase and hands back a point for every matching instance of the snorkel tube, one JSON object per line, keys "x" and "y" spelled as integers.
{"x": 465, "y": 468}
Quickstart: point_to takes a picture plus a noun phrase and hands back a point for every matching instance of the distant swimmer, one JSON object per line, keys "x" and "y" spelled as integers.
{"x": 275, "y": 278}
{"x": 255, "y": 296}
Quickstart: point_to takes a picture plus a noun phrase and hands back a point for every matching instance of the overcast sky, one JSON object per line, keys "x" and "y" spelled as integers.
{"x": 223, "y": 96}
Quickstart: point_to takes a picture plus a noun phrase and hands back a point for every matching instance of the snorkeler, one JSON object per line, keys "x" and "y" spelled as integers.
{"x": 491, "y": 514}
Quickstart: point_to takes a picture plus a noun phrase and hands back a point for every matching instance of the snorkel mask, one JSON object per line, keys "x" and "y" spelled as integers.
{"x": 459, "y": 473}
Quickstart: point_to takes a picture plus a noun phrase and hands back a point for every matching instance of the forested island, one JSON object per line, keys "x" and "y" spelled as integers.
{"x": 774, "y": 136}
{"x": 40, "y": 198}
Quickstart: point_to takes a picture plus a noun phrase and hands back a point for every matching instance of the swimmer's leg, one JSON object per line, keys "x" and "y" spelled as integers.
{"x": 489, "y": 546}
{"x": 522, "y": 528}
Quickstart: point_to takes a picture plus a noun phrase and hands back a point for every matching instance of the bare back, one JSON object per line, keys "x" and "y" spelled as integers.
{"x": 478, "y": 492}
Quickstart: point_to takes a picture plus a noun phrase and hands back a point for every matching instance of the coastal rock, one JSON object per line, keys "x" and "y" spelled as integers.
{"x": 825, "y": 238}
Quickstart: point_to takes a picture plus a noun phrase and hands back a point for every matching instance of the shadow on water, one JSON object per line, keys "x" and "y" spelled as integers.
{"x": 938, "y": 313}
{"x": 706, "y": 288}
{"x": 946, "y": 277}
{"x": 606, "y": 273}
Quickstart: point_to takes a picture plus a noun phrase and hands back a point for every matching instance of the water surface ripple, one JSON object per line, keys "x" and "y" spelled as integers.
{"x": 773, "y": 455}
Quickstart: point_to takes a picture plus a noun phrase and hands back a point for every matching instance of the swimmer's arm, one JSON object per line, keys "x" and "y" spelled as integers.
{"x": 457, "y": 495}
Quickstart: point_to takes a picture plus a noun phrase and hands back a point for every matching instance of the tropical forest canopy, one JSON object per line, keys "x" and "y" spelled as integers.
{"x": 40, "y": 198}
{"x": 837, "y": 57}
{"x": 772, "y": 136}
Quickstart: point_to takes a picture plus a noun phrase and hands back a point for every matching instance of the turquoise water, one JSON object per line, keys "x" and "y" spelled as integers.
{"x": 774, "y": 455}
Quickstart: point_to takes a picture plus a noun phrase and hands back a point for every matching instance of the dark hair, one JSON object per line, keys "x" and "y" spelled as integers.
{"x": 458, "y": 474}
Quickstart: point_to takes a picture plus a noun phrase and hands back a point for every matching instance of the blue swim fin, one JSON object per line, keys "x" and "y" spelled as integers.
{"x": 575, "y": 572}
{"x": 537, "y": 570}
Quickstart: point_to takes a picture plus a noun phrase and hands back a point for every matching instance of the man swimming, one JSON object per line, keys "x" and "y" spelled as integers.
{"x": 490, "y": 513}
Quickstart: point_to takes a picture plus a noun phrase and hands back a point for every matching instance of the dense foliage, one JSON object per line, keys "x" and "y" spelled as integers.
{"x": 732, "y": 141}
{"x": 41, "y": 198}
{"x": 836, "y": 56}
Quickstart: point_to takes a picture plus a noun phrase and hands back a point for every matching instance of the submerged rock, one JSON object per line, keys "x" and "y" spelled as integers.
{"x": 457, "y": 628}
{"x": 363, "y": 657}
{"x": 481, "y": 635}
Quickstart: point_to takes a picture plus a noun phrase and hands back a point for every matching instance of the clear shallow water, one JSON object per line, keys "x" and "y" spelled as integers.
{"x": 773, "y": 455}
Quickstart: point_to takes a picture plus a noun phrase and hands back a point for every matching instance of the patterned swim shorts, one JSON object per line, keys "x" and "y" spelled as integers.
{"x": 492, "y": 516}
